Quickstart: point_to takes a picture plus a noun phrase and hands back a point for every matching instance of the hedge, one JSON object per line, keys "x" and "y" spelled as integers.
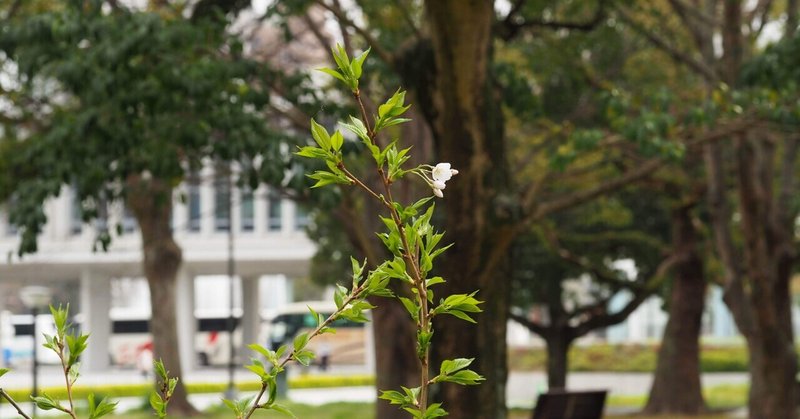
{"x": 627, "y": 358}
{"x": 137, "y": 390}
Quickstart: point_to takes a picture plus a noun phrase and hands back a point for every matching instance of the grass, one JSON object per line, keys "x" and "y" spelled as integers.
{"x": 365, "y": 411}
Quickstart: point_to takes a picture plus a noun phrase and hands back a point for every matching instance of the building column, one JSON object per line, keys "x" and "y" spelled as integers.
{"x": 251, "y": 315}
{"x": 275, "y": 291}
{"x": 186, "y": 321}
{"x": 95, "y": 307}
{"x": 260, "y": 209}
{"x": 207, "y": 210}
{"x": 3, "y": 332}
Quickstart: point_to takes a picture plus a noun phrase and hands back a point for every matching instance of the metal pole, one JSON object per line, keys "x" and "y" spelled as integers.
{"x": 231, "y": 392}
{"x": 35, "y": 391}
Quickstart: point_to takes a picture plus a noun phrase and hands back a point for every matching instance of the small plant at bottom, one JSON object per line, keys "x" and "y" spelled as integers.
{"x": 166, "y": 386}
{"x": 69, "y": 346}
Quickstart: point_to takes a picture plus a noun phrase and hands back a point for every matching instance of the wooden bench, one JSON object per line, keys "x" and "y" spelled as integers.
{"x": 563, "y": 404}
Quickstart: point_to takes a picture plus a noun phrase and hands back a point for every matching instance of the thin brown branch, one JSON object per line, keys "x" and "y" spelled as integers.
{"x": 345, "y": 21}
{"x": 324, "y": 41}
{"x": 407, "y": 17}
{"x": 6, "y": 396}
{"x": 354, "y": 295}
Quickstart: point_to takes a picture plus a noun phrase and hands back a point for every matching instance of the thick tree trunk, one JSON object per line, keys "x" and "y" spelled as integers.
{"x": 151, "y": 203}
{"x": 396, "y": 360}
{"x": 679, "y": 356}
{"x": 558, "y": 345}
{"x": 467, "y": 129}
{"x": 758, "y": 291}
{"x": 768, "y": 231}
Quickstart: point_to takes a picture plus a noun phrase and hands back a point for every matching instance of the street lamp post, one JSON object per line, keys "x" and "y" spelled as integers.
{"x": 35, "y": 297}
{"x": 230, "y": 393}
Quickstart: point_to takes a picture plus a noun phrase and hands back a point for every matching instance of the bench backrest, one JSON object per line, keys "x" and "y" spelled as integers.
{"x": 561, "y": 404}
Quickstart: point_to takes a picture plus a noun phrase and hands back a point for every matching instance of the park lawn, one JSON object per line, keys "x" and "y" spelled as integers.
{"x": 364, "y": 411}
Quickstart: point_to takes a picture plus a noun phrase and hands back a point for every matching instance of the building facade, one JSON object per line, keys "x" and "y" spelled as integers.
{"x": 270, "y": 248}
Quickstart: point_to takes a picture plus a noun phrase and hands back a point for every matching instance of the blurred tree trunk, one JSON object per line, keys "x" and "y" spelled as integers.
{"x": 151, "y": 203}
{"x": 679, "y": 355}
{"x": 467, "y": 129}
{"x": 558, "y": 344}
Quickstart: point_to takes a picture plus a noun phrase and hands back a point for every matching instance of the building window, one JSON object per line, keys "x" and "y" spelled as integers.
{"x": 248, "y": 210}
{"x": 274, "y": 219}
{"x": 101, "y": 220}
{"x": 193, "y": 204}
{"x": 222, "y": 198}
{"x": 75, "y": 216}
{"x": 301, "y": 217}
{"x": 129, "y": 223}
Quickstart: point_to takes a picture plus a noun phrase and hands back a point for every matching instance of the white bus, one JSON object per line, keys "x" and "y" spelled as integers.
{"x": 131, "y": 344}
{"x": 348, "y": 346}
{"x": 17, "y": 339}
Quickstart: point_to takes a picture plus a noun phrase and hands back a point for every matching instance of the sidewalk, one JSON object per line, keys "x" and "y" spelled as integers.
{"x": 521, "y": 390}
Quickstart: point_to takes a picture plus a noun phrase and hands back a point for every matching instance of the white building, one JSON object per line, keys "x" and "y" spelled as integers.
{"x": 270, "y": 248}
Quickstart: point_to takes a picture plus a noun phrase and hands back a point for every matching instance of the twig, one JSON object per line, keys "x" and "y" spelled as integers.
{"x": 353, "y": 296}
{"x": 13, "y": 403}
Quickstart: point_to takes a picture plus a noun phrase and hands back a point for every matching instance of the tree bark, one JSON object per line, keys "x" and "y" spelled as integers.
{"x": 558, "y": 344}
{"x": 679, "y": 355}
{"x": 395, "y": 358}
{"x": 467, "y": 127}
{"x": 769, "y": 257}
{"x": 151, "y": 203}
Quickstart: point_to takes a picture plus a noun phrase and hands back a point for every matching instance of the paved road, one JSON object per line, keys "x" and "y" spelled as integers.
{"x": 521, "y": 390}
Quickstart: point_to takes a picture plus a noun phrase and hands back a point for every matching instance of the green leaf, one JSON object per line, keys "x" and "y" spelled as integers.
{"x": 449, "y": 366}
{"x": 320, "y": 135}
{"x": 358, "y": 62}
{"x": 300, "y": 341}
{"x": 434, "y": 411}
{"x": 357, "y": 127}
{"x": 312, "y": 152}
{"x": 333, "y": 73}
{"x": 394, "y": 397}
{"x": 4, "y": 371}
{"x": 158, "y": 405}
{"x": 161, "y": 372}
{"x": 435, "y": 280}
{"x": 411, "y": 307}
{"x": 336, "y": 141}
{"x": 327, "y": 178}
{"x": 282, "y": 409}
{"x": 103, "y": 408}
{"x": 46, "y": 402}
{"x": 304, "y": 357}
{"x": 464, "y": 378}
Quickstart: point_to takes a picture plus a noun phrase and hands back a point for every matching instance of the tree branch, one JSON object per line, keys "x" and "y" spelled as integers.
{"x": 6, "y": 396}
{"x": 601, "y": 275}
{"x": 532, "y": 326}
{"x": 407, "y": 17}
{"x": 537, "y": 212}
{"x": 606, "y": 320}
{"x": 345, "y": 21}
{"x": 510, "y": 27}
{"x": 676, "y": 54}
